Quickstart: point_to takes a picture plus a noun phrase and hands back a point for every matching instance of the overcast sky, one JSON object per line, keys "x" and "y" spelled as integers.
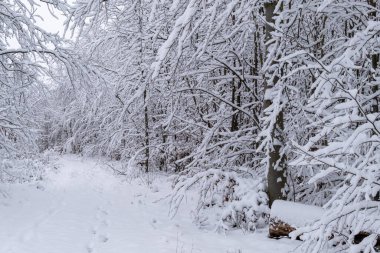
{"x": 50, "y": 23}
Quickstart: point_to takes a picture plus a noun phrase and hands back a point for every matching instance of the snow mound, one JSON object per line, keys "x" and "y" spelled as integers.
{"x": 295, "y": 214}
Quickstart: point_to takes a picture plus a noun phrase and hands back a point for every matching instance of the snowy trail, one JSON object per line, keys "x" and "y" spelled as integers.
{"x": 84, "y": 208}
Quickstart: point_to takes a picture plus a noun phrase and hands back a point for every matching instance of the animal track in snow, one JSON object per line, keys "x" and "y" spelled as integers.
{"x": 98, "y": 231}
{"x": 103, "y": 238}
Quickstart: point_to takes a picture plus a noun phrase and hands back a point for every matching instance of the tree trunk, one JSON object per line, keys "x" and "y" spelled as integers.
{"x": 146, "y": 119}
{"x": 276, "y": 176}
{"x": 375, "y": 62}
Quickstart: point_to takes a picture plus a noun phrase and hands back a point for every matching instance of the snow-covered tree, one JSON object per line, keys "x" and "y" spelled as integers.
{"x": 27, "y": 55}
{"x": 343, "y": 119}
{"x": 238, "y": 98}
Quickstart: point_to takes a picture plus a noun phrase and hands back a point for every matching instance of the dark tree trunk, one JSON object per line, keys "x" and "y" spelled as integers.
{"x": 276, "y": 176}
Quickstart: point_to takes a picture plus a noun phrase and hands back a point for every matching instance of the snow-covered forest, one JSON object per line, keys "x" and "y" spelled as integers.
{"x": 243, "y": 119}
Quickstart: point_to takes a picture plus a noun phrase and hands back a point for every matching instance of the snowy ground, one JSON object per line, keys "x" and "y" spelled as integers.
{"x": 84, "y": 208}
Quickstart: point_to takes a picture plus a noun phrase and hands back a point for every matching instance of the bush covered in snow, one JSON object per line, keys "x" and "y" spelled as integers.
{"x": 22, "y": 169}
{"x": 236, "y": 197}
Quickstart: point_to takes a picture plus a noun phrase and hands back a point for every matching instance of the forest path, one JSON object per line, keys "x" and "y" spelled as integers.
{"x": 83, "y": 208}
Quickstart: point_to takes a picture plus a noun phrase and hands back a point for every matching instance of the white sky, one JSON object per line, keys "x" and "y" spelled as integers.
{"x": 45, "y": 20}
{"x": 50, "y": 23}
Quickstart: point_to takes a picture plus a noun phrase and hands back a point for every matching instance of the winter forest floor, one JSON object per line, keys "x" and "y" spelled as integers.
{"x": 83, "y": 207}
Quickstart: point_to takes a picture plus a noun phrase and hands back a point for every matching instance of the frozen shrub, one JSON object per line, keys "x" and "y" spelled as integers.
{"x": 240, "y": 196}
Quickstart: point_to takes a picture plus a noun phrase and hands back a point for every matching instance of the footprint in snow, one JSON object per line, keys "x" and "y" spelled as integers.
{"x": 89, "y": 249}
{"x": 104, "y": 223}
{"x": 103, "y": 238}
{"x": 93, "y": 231}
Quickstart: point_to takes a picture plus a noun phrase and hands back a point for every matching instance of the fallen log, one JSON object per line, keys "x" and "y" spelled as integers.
{"x": 278, "y": 228}
{"x": 286, "y": 216}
